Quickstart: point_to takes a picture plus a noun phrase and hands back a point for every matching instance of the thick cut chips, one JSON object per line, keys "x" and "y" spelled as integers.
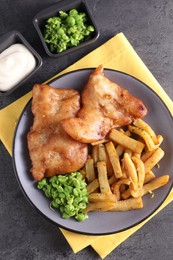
{"x": 133, "y": 161}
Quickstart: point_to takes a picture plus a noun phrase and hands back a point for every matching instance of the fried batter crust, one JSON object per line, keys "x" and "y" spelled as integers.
{"x": 52, "y": 150}
{"x": 105, "y": 105}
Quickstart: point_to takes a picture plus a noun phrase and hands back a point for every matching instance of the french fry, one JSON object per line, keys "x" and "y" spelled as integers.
{"x": 146, "y": 137}
{"x": 90, "y": 171}
{"x": 126, "y": 141}
{"x": 131, "y": 171}
{"x": 103, "y": 178}
{"x": 116, "y": 187}
{"x": 135, "y": 193}
{"x": 130, "y": 153}
{"x": 103, "y": 156}
{"x": 129, "y": 204}
{"x": 112, "y": 179}
{"x": 122, "y": 188}
{"x": 159, "y": 140}
{"x": 119, "y": 149}
{"x": 140, "y": 171}
{"x": 127, "y": 132}
{"x": 102, "y": 141}
{"x": 153, "y": 159}
{"x": 92, "y": 186}
{"x": 126, "y": 194}
{"x": 146, "y": 155}
{"x": 141, "y": 177}
{"x": 102, "y": 152}
{"x": 124, "y": 173}
{"x": 148, "y": 176}
{"x": 137, "y": 155}
{"x": 143, "y": 125}
{"x": 95, "y": 154}
{"x": 98, "y": 197}
{"x": 114, "y": 159}
{"x": 155, "y": 184}
{"x": 99, "y": 206}
{"x": 83, "y": 172}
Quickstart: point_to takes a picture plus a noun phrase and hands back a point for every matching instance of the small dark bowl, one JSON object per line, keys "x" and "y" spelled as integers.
{"x": 9, "y": 39}
{"x": 65, "y": 5}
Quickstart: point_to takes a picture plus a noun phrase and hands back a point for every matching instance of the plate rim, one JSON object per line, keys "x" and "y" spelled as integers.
{"x": 23, "y": 190}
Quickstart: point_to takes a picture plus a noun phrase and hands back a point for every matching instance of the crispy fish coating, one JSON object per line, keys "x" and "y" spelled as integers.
{"x": 52, "y": 150}
{"x": 105, "y": 105}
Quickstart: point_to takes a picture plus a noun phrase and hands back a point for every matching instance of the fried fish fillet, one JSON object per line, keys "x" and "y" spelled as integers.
{"x": 52, "y": 150}
{"x": 105, "y": 105}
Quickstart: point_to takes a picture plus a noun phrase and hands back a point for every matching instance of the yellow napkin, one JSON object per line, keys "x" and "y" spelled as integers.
{"x": 117, "y": 53}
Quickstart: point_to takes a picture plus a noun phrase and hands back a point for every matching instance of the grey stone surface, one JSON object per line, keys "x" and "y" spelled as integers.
{"x": 148, "y": 25}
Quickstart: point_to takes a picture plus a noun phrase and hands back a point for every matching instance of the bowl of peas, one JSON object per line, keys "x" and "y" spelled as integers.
{"x": 65, "y": 27}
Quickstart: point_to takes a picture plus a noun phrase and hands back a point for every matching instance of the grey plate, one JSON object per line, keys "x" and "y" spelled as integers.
{"x": 107, "y": 222}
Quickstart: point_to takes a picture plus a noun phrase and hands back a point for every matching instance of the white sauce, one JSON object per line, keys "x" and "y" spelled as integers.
{"x": 16, "y": 62}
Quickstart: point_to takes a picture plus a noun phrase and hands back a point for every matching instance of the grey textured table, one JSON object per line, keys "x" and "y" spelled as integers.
{"x": 148, "y": 25}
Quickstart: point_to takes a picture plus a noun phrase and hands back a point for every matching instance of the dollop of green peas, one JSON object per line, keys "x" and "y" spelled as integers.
{"x": 68, "y": 193}
{"x": 66, "y": 30}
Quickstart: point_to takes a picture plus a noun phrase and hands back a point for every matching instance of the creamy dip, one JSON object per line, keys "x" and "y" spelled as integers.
{"x": 16, "y": 62}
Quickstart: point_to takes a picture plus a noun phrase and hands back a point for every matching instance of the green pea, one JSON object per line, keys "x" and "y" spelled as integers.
{"x": 60, "y": 31}
{"x": 78, "y": 199}
{"x": 53, "y": 179}
{"x": 54, "y": 204}
{"x": 70, "y": 201}
{"x": 76, "y": 182}
{"x": 63, "y": 14}
{"x": 73, "y": 12}
{"x": 55, "y": 194}
{"x": 75, "y": 192}
{"x": 59, "y": 189}
{"x": 69, "y": 208}
{"x": 68, "y": 189}
{"x": 85, "y": 200}
{"x": 82, "y": 205}
{"x": 81, "y": 217}
{"x": 70, "y": 21}
{"x": 62, "y": 195}
{"x": 90, "y": 28}
{"x": 47, "y": 192}
{"x": 65, "y": 215}
{"x": 42, "y": 184}
{"x": 50, "y": 20}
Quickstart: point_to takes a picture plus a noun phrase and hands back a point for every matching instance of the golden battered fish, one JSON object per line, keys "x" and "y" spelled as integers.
{"x": 105, "y": 105}
{"x": 52, "y": 150}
